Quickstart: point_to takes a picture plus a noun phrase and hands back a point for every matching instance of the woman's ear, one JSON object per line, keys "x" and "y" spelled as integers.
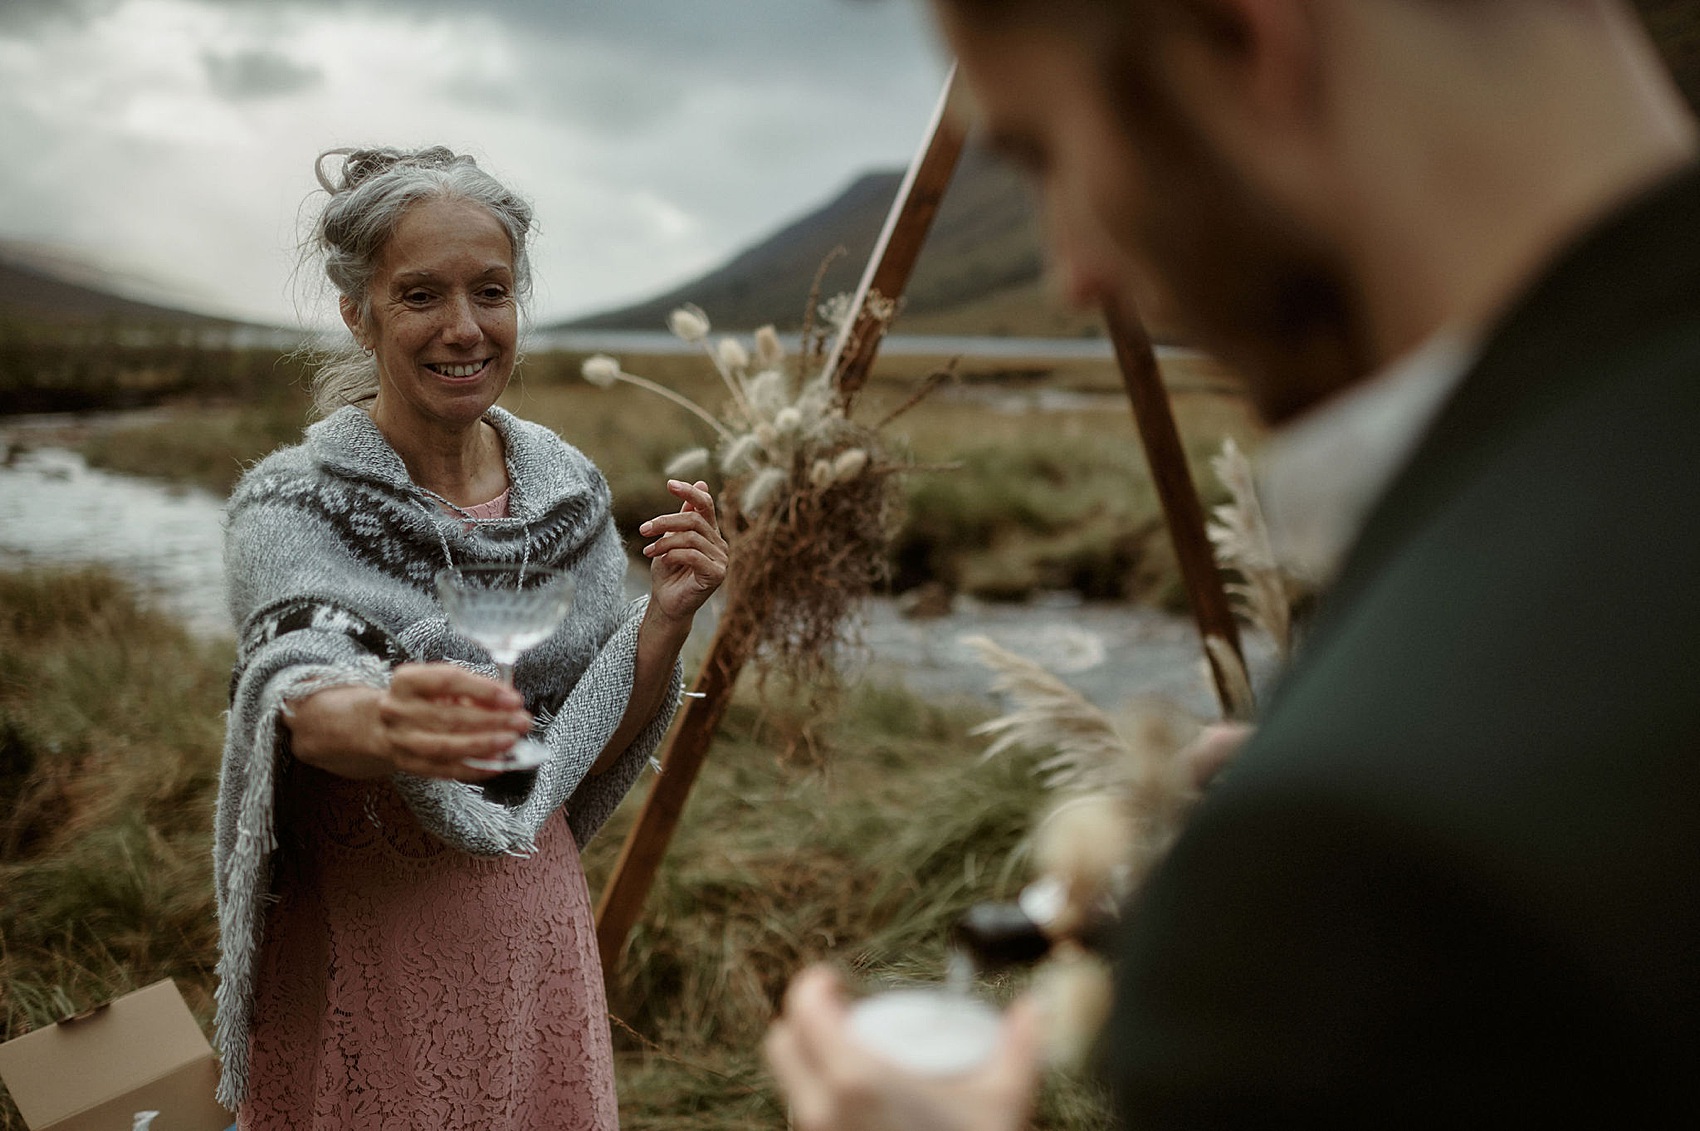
{"x": 351, "y": 318}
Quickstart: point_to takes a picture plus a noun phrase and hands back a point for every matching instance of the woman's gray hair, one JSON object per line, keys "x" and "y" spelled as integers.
{"x": 368, "y": 197}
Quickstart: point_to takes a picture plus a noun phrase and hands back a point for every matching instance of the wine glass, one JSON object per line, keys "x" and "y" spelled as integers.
{"x": 933, "y": 1030}
{"x": 927, "y": 1029}
{"x": 507, "y": 609}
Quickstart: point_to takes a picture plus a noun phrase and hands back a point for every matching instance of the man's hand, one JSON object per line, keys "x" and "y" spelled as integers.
{"x": 836, "y": 1084}
{"x": 1215, "y": 746}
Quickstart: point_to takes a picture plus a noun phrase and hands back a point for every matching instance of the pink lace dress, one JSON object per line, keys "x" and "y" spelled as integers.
{"x": 404, "y": 984}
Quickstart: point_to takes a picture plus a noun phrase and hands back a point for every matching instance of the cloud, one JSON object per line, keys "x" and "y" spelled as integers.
{"x": 655, "y": 137}
{"x": 257, "y": 73}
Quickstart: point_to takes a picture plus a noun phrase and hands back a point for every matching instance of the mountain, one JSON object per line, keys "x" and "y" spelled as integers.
{"x": 980, "y": 271}
{"x": 42, "y": 287}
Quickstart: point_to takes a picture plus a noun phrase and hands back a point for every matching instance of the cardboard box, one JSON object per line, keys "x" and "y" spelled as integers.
{"x": 95, "y": 1071}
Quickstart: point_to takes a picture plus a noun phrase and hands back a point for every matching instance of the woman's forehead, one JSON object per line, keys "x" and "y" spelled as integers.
{"x": 440, "y": 235}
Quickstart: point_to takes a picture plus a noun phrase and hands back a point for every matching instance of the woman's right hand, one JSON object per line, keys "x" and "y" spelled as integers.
{"x": 428, "y": 722}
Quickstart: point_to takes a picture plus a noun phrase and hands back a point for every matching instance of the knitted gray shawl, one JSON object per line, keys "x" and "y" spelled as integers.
{"x": 330, "y": 552}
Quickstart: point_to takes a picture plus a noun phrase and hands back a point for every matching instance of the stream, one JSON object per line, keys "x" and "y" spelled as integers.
{"x": 168, "y": 540}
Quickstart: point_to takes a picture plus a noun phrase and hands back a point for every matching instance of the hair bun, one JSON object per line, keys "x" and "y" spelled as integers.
{"x": 360, "y": 164}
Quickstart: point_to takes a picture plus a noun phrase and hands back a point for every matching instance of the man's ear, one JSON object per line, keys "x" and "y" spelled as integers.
{"x": 1261, "y": 55}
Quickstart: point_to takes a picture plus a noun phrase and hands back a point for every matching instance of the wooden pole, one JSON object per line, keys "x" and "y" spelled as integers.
{"x": 899, "y": 243}
{"x": 640, "y": 857}
{"x": 888, "y": 271}
{"x": 1164, "y": 454}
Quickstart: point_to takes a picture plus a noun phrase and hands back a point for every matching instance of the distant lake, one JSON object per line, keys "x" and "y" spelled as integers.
{"x": 909, "y": 345}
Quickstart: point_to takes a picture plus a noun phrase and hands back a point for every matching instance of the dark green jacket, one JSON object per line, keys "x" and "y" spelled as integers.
{"x": 1455, "y": 879}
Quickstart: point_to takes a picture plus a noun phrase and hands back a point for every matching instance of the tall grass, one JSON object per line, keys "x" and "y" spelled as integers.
{"x": 109, "y": 730}
{"x": 1041, "y": 500}
{"x": 110, "y": 724}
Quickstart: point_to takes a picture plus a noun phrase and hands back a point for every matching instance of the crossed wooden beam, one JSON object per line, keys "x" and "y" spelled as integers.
{"x": 851, "y": 360}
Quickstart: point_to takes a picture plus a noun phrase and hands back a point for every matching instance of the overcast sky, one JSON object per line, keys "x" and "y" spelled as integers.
{"x": 174, "y": 139}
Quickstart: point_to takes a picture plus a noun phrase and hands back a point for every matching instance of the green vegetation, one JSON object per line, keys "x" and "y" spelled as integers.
{"x": 1041, "y": 499}
{"x": 110, "y": 723}
{"x": 108, "y": 765}
{"x": 106, "y": 365}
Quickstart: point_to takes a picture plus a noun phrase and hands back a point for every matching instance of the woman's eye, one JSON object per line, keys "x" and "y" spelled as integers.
{"x": 495, "y": 294}
{"x": 416, "y": 298}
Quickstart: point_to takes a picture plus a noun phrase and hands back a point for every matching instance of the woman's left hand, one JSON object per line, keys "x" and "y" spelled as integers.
{"x": 688, "y": 556}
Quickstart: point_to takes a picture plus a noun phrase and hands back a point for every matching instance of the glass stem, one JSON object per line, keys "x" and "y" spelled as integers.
{"x": 507, "y": 672}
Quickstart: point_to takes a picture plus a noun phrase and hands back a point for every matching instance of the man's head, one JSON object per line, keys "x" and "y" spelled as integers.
{"x": 1309, "y": 187}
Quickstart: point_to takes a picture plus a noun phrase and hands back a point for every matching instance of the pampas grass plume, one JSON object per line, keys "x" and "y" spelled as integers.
{"x": 689, "y": 323}
{"x": 1240, "y": 536}
{"x": 1085, "y": 843}
{"x": 1050, "y": 715}
{"x": 732, "y": 354}
{"x": 762, "y": 489}
{"x": 820, "y": 475}
{"x": 787, "y": 421}
{"x": 770, "y": 354}
{"x": 766, "y": 391}
{"x": 688, "y": 464}
{"x": 601, "y": 370}
{"x": 740, "y": 454}
{"x": 849, "y": 464}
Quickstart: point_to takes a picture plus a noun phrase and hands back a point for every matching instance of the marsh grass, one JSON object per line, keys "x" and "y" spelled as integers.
{"x": 206, "y": 446}
{"x": 110, "y": 726}
{"x": 1043, "y": 499}
{"x": 110, "y": 720}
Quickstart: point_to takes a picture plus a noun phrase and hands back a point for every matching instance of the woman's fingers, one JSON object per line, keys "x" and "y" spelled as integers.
{"x": 696, "y": 497}
{"x": 435, "y": 716}
{"x": 451, "y": 681}
{"x": 452, "y": 716}
{"x": 681, "y": 540}
{"x": 680, "y": 520}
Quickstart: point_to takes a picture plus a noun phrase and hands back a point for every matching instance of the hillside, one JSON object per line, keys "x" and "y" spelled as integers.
{"x": 980, "y": 271}
{"x": 35, "y": 289}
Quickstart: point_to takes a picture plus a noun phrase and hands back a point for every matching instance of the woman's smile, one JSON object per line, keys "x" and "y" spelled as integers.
{"x": 458, "y": 371}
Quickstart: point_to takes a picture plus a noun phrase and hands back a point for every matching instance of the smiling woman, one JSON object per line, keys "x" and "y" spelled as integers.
{"x": 405, "y": 931}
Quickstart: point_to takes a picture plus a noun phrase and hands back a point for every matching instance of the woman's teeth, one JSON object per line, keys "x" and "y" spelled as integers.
{"x": 457, "y": 370}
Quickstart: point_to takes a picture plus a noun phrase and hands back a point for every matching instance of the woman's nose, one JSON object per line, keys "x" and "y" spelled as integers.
{"x": 460, "y": 324}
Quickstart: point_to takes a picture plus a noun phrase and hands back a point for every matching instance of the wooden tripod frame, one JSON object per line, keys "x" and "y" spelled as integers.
{"x": 852, "y": 358}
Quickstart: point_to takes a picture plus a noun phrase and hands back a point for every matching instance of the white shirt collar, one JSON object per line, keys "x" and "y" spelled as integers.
{"x": 1320, "y": 475}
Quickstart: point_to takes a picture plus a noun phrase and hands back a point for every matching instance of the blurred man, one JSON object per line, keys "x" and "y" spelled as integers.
{"x": 1454, "y": 245}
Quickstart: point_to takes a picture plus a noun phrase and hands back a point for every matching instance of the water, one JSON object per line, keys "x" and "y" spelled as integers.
{"x": 59, "y": 511}
{"x": 906, "y": 345}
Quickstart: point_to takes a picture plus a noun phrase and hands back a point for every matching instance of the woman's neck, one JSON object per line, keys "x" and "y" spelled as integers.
{"x": 464, "y": 466}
